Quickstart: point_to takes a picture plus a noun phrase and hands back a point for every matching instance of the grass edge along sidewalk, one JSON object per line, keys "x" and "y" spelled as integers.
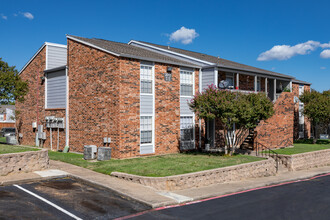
{"x": 7, "y": 149}
{"x": 305, "y": 146}
{"x": 156, "y": 166}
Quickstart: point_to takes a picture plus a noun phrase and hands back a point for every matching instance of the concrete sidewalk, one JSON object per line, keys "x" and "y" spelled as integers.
{"x": 150, "y": 196}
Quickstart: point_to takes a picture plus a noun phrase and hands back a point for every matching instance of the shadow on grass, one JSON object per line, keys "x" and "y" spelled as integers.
{"x": 196, "y": 152}
{"x": 310, "y": 141}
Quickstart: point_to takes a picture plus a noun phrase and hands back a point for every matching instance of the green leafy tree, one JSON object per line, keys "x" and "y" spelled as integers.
{"x": 316, "y": 109}
{"x": 12, "y": 87}
{"x": 235, "y": 111}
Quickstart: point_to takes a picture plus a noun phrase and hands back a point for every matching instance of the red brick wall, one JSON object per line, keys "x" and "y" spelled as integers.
{"x": 277, "y": 131}
{"x": 93, "y": 97}
{"x": 295, "y": 91}
{"x": 105, "y": 102}
{"x": 33, "y": 108}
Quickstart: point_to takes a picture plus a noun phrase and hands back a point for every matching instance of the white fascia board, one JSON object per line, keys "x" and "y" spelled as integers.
{"x": 92, "y": 45}
{"x": 55, "y": 45}
{"x": 32, "y": 58}
{"x": 171, "y": 52}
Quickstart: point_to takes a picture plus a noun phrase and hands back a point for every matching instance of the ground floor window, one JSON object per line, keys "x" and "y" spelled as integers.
{"x": 187, "y": 132}
{"x": 146, "y": 129}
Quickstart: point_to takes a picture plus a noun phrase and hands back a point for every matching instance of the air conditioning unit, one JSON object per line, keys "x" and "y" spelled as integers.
{"x": 104, "y": 153}
{"x": 90, "y": 152}
{"x": 11, "y": 139}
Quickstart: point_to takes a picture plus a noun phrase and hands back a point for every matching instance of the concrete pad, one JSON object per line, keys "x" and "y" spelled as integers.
{"x": 51, "y": 173}
{"x": 176, "y": 197}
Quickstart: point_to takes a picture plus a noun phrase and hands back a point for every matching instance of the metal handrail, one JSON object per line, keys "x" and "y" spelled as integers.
{"x": 266, "y": 151}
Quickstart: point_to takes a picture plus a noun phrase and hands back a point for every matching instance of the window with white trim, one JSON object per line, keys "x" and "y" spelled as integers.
{"x": 146, "y": 77}
{"x": 230, "y": 80}
{"x": 2, "y": 117}
{"x": 187, "y": 128}
{"x": 186, "y": 83}
{"x": 146, "y": 129}
{"x": 258, "y": 84}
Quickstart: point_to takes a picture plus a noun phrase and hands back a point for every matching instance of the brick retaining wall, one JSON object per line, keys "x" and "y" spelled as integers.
{"x": 23, "y": 162}
{"x": 305, "y": 161}
{"x": 204, "y": 178}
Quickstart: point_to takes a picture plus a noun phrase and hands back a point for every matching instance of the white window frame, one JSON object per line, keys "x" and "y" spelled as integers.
{"x": 258, "y": 84}
{"x": 231, "y": 75}
{"x": 192, "y": 82}
{"x": 184, "y": 69}
{"x": 2, "y": 117}
{"x": 152, "y": 79}
{"x": 142, "y": 63}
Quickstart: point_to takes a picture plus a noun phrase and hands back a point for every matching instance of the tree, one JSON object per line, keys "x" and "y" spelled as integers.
{"x": 12, "y": 87}
{"x": 234, "y": 109}
{"x": 316, "y": 109}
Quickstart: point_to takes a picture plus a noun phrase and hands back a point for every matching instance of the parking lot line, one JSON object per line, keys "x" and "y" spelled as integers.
{"x": 48, "y": 202}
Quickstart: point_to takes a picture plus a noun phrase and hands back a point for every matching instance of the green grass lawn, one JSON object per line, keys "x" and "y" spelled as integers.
{"x": 3, "y": 139}
{"x": 156, "y": 166}
{"x": 305, "y": 146}
{"x": 5, "y": 149}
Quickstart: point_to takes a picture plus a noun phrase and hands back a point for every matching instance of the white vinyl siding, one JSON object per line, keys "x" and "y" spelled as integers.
{"x": 56, "y": 89}
{"x": 184, "y": 107}
{"x": 56, "y": 56}
{"x": 147, "y": 104}
{"x": 208, "y": 78}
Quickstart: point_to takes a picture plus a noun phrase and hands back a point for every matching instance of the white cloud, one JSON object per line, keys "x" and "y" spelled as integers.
{"x": 322, "y": 67}
{"x": 3, "y": 16}
{"x": 184, "y": 35}
{"x": 284, "y": 52}
{"x": 28, "y": 15}
{"x": 325, "y": 54}
{"x": 326, "y": 45}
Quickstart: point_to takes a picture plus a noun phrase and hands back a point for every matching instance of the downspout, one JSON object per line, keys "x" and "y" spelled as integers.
{"x": 199, "y": 120}
{"x": 67, "y": 109}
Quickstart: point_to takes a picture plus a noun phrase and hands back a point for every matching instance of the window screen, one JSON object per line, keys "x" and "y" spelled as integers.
{"x": 146, "y": 129}
{"x": 146, "y": 79}
{"x": 186, "y": 83}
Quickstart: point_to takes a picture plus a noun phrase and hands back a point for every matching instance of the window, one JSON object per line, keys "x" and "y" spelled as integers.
{"x": 186, "y": 83}
{"x": 258, "y": 84}
{"x": 146, "y": 77}
{"x": 187, "y": 128}
{"x": 230, "y": 80}
{"x": 56, "y": 89}
{"x": 146, "y": 129}
{"x": 2, "y": 117}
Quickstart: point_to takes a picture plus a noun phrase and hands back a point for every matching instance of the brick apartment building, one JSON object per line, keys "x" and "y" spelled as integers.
{"x": 137, "y": 94}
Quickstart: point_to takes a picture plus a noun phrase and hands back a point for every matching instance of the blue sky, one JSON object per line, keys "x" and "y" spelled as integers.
{"x": 236, "y": 30}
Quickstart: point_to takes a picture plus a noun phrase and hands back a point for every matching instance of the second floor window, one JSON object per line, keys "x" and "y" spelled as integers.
{"x": 146, "y": 77}
{"x": 186, "y": 83}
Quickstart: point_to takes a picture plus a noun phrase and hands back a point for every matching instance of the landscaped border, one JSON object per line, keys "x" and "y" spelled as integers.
{"x": 27, "y": 161}
{"x": 204, "y": 178}
{"x": 306, "y": 160}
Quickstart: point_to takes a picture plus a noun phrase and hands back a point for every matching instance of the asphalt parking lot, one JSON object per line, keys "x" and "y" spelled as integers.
{"x": 307, "y": 199}
{"x": 63, "y": 199}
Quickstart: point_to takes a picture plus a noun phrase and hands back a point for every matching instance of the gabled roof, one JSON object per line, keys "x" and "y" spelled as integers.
{"x": 215, "y": 60}
{"x": 45, "y": 44}
{"x": 129, "y": 51}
